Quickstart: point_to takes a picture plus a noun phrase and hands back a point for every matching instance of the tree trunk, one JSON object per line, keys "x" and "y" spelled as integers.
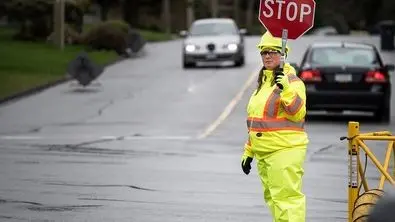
{"x": 104, "y": 13}
{"x": 214, "y": 8}
{"x": 166, "y": 18}
{"x": 236, "y": 11}
{"x": 249, "y": 13}
{"x": 190, "y": 13}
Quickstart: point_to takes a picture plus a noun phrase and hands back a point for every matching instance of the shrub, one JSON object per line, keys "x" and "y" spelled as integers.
{"x": 108, "y": 35}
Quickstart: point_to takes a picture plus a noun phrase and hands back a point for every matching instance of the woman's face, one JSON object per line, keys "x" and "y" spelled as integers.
{"x": 271, "y": 58}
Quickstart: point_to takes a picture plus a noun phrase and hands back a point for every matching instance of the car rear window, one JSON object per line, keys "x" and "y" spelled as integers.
{"x": 213, "y": 29}
{"x": 343, "y": 56}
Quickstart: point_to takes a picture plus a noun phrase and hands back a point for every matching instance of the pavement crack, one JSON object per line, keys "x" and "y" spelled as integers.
{"x": 62, "y": 208}
{"x": 106, "y": 106}
{"x": 102, "y": 185}
{"x": 99, "y": 141}
{"x": 36, "y": 130}
{"x": 140, "y": 188}
{"x": 34, "y": 206}
{"x": 128, "y": 201}
{"x": 320, "y": 150}
{"x": 102, "y": 199}
{"x": 80, "y": 149}
{"x": 4, "y": 201}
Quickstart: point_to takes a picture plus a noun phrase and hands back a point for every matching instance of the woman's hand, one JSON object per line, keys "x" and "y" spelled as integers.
{"x": 281, "y": 79}
{"x": 246, "y": 164}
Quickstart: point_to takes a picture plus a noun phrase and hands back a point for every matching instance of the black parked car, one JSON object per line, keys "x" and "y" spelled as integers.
{"x": 343, "y": 76}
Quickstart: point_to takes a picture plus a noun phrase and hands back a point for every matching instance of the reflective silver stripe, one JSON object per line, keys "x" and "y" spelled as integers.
{"x": 271, "y": 104}
{"x": 292, "y": 78}
{"x": 267, "y": 125}
{"x": 294, "y": 106}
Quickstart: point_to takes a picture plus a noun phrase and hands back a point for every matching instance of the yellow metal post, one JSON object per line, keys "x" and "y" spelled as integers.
{"x": 353, "y": 180}
{"x": 362, "y": 175}
{"x": 393, "y": 167}
{"x": 386, "y": 163}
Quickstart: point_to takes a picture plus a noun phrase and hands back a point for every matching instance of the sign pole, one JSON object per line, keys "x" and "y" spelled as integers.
{"x": 284, "y": 38}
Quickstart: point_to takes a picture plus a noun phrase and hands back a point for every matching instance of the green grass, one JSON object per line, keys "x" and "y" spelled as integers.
{"x": 24, "y": 65}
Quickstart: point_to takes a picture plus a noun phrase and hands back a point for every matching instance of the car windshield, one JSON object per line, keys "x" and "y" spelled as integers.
{"x": 204, "y": 29}
{"x": 333, "y": 56}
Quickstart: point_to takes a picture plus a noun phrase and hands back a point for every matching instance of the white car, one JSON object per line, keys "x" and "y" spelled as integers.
{"x": 213, "y": 40}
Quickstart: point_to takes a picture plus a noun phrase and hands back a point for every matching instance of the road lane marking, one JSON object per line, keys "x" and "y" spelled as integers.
{"x": 229, "y": 108}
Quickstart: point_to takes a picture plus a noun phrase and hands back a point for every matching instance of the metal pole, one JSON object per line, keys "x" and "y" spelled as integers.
{"x": 284, "y": 38}
{"x": 59, "y": 13}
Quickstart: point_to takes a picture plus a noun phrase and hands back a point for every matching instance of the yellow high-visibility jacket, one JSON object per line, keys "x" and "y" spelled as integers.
{"x": 276, "y": 118}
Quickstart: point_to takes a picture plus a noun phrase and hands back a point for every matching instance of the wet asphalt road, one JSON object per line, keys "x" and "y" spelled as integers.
{"x": 157, "y": 143}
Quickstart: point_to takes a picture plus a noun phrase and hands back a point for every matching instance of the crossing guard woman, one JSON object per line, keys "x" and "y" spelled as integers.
{"x": 276, "y": 136}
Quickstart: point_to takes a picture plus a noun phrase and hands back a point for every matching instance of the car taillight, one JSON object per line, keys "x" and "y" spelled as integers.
{"x": 311, "y": 76}
{"x": 375, "y": 77}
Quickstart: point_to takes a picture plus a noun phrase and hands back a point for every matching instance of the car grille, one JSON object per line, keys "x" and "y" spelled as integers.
{"x": 211, "y": 47}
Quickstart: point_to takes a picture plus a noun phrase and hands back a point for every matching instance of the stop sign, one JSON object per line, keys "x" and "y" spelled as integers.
{"x": 297, "y": 16}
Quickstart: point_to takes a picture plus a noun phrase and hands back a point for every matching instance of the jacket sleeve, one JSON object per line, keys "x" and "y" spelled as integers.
{"x": 247, "y": 149}
{"x": 293, "y": 99}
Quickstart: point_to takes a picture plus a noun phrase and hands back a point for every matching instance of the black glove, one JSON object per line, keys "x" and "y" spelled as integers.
{"x": 278, "y": 75}
{"x": 246, "y": 165}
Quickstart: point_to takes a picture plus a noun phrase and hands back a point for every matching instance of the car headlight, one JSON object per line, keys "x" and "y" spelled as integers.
{"x": 232, "y": 47}
{"x": 190, "y": 48}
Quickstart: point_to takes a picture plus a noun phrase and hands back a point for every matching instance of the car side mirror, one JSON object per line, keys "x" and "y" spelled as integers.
{"x": 183, "y": 33}
{"x": 243, "y": 31}
{"x": 390, "y": 67}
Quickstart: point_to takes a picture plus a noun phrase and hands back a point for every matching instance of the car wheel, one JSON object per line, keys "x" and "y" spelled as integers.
{"x": 384, "y": 114}
{"x": 188, "y": 65}
{"x": 240, "y": 62}
{"x": 185, "y": 64}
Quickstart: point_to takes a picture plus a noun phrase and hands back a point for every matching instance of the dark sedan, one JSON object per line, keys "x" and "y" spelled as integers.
{"x": 344, "y": 76}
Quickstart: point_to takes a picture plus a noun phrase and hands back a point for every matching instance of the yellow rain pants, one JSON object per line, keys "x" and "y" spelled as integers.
{"x": 281, "y": 176}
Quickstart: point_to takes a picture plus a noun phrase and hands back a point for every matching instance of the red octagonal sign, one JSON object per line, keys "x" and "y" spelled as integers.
{"x": 297, "y": 16}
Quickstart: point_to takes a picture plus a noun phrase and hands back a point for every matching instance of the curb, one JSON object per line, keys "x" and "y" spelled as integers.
{"x": 45, "y": 86}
